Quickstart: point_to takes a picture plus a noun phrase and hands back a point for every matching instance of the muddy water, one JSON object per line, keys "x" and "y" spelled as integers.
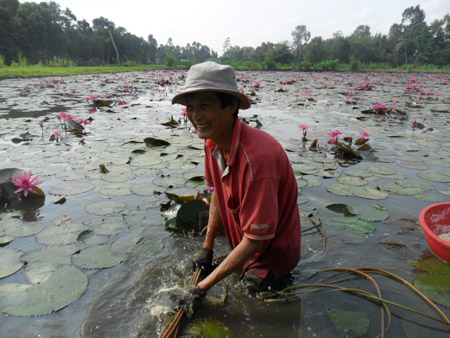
{"x": 118, "y": 301}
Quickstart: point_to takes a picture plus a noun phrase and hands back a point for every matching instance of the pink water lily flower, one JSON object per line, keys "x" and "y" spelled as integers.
{"x": 364, "y": 134}
{"x": 303, "y": 127}
{"x": 25, "y": 183}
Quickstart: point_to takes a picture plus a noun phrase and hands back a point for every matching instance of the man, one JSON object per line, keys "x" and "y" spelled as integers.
{"x": 255, "y": 190}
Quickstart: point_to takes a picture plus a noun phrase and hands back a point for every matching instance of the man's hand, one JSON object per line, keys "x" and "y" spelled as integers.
{"x": 191, "y": 299}
{"x": 203, "y": 260}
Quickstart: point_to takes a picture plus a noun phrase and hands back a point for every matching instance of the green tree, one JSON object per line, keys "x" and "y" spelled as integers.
{"x": 300, "y": 35}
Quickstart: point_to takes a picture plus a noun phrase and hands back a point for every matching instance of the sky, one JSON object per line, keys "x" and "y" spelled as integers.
{"x": 247, "y": 22}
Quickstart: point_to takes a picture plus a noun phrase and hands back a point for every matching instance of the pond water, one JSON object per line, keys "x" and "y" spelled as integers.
{"x": 115, "y": 218}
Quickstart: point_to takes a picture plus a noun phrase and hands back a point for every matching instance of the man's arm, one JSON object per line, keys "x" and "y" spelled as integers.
{"x": 236, "y": 259}
{"x": 214, "y": 223}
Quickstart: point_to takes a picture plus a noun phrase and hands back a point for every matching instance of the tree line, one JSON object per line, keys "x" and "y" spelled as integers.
{"x": 43, "y": 33}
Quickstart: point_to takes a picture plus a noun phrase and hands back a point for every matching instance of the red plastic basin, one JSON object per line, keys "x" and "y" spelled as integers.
{"x": 435, "y": 221}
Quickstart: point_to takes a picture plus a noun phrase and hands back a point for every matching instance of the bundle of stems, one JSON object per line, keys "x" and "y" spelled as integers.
{"x": 172, "y": 329}
{"x": 291, "y": 293}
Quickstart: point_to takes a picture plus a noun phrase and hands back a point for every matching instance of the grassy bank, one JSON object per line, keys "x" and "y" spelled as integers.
{"x": 36, "y": 71}
{"x": 330, "y": 65}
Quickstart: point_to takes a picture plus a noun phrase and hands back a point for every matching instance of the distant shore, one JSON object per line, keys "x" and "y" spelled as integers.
{"x": 43, "y": 71}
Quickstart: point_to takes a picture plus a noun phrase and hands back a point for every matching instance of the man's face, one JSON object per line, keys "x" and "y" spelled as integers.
{"x": 209, "y": 119}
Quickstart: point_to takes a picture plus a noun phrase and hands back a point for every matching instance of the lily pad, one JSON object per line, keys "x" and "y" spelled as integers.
{"x": 430, "y": 198}
{"x": 339, "y": 189}
{"x": 435, "y": 177}
{"x": 394, "y": 188}
{"x": 346, "y": 322}
{"x": 188, "y": 217}
{"x": 51, "y": 255}
{"x": 207, "y": 328}
{"x": 65, "y": 233}
{"x": 355, "y": 181}
{"x": 433, "y": 265}
{"x": 96, "y": 257}
{"x": 434, "y": 286}
{"x": 9, "y": 261}
{"x": 381, "y": 170}
{"x": 369, "y": 193}
{"x": 103, "y": 208}
{"x": 71, "y": 188}
{"x": 369, "y": 212}
{"x": 64, "y": 285}
{"x": 354, "y": 227}
{"x": 17, "y": 228}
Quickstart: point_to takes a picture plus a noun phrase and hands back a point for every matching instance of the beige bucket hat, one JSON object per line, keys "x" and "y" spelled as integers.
{"x": 210, "y": 76}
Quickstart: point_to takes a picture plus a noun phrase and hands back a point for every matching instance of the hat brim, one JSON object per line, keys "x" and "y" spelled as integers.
{"x": 244, "y": 102}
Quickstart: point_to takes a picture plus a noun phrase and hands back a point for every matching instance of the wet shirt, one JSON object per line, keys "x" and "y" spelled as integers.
{"x": 257, "y": 192}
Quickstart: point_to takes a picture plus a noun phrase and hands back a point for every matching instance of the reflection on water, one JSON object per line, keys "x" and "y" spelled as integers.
{"x": 116, "y": 303}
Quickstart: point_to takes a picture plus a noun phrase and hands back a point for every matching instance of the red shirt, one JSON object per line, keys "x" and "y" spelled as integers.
{"x": 257, "y": 192}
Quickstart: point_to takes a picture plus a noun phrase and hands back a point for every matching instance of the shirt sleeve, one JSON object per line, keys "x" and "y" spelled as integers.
{"x": 259, "y": 209}
{"x": 208, "y": 173}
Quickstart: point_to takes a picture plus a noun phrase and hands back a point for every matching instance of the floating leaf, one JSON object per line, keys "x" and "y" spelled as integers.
{"x": 340, "y": 208}
{"x": 153, "y": 142}
{"x": 51, "y": 255}
{"x": 9, "y": 261}
{"x": 16, "y": 228}
{"x": 207, "y": 328}
{"x": 313, "y": 181}
{"x": 339, "y": 189}
{"x": 408, "y": 183}
{"x": 413, "y": 330}
{"x": 96, "y": 257}
{"x": 71, "y": 188}
{"x": 64, "y": 285}
{"x": 355, "y": 181}
{"x": 434, "y": 286}
{"x": 381, "y": 170}
{"x": 347, "y": 321}
{"x": 103, "y": 208}
{"x": 356, "y": 228}
{"x": 188, "y": 216}
{"x": 61, "y": 234}
{"x": 433, "y": 265}
{"x": 369, "y": 193}
{"x": 430, "y": 198}
{"x": 369, "y": 212}
{"x": 434, "y": 177}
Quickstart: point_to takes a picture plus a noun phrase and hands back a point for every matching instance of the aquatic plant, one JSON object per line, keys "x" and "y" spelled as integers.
{"x": 25, "y": 183}
{"x": 304, "y": 128}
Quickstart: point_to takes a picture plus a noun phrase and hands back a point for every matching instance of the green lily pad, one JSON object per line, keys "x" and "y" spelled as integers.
{"x": 96, "y": 257}
{"x": 207, "y": 328}
{"x": 188, "y": 215}
{"x": 313, "y": 181}
{"x": 65, "y": 233}
{"x": 339, "y": 189}
{"x": 369, "y": 212}
{"x": 369, "y": 193}
{"x": 347, "y": 321}
{"x": 381, "y": 170}
{"x": 64, "y": 285}
{"x": 356, "y": 172}
{"x": 115, "y": 189}
{"x": 9, "y": 261}
{"x": 394, "y": 188}
{"x": 430, "y": 198}
{"x": 413, "y": 165}
{"x": 413, "y": 330}
{"x": 434, "y": 177}
{"x": 154, "y": 142}
{"x": 433, "y": 265}
{"x": 434, "y": 286}
{"x": 355, "y": 181}
{"x": 103, "y": 208}
{"x": 143, "y": 189}
{"x": 408, "y": 183}
{"x": 354, "y": 227}
{"x": 55, "y": 255}
{"x": 17, "y": 228}
{"x": 301, "y": 183}
{"x": 71, "y": 188}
